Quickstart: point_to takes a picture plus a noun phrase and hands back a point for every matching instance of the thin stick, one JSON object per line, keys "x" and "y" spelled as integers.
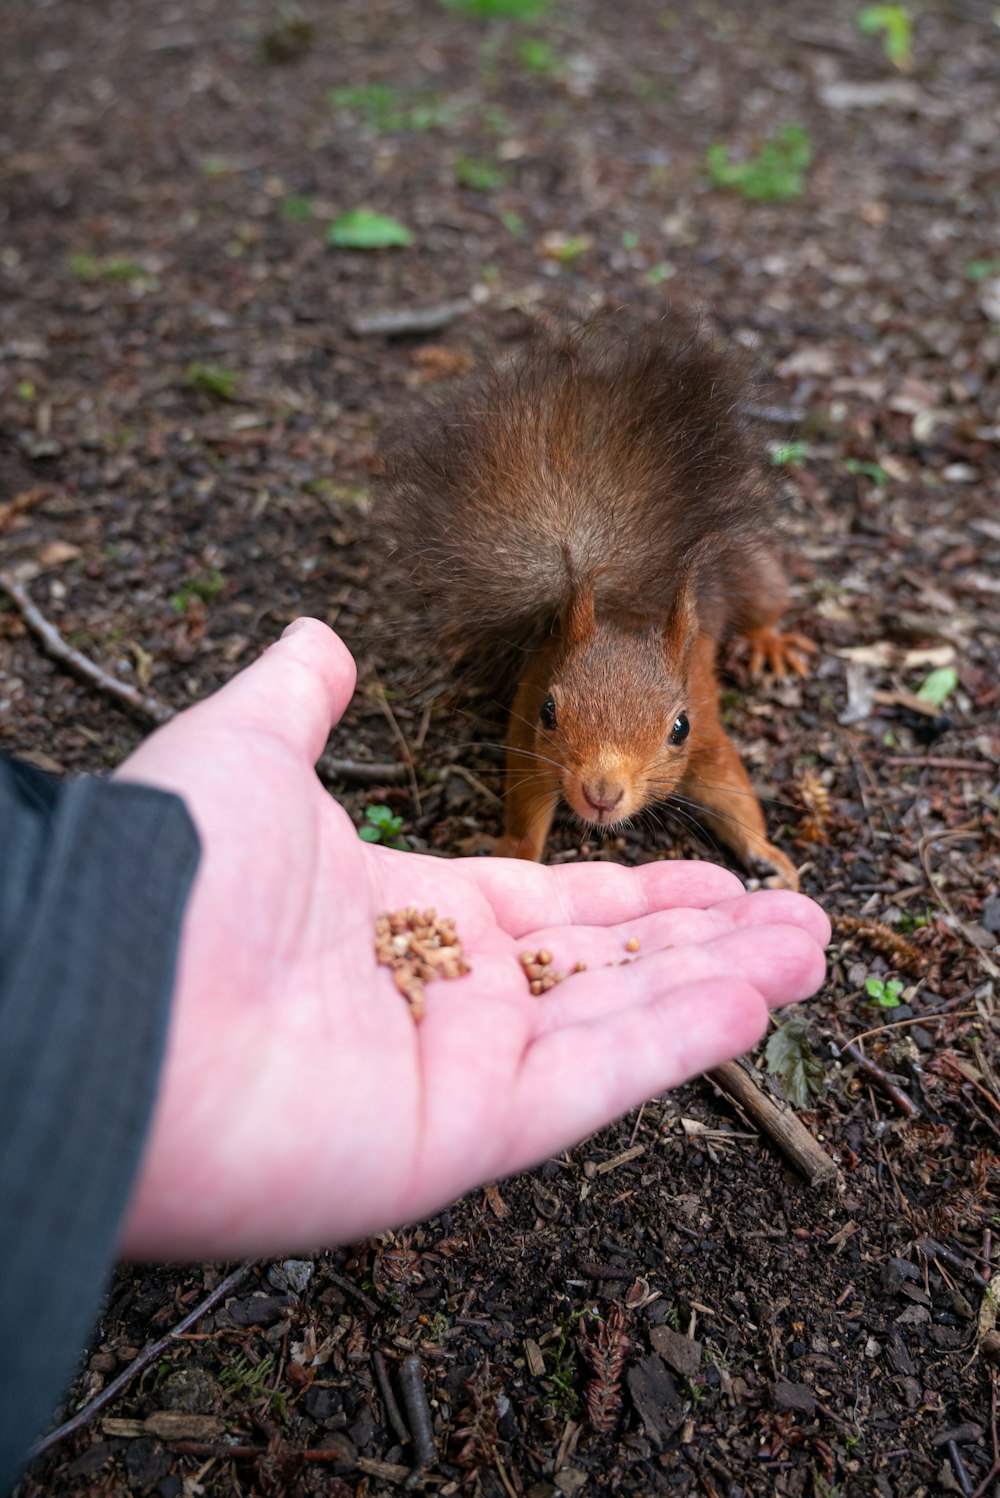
{"x": 902, "y": 1100}
{"x": 150, "y": 709}
{"x": 388, "y": 1398}
{"x": 400, "y": 738}
{"x": 780, "y": 1124}
{"x": 222, "y": 1451}
{"x": 362, "y": 772}
{"x": 418, "y": 1412}
{"x": 148, "y": 1355}
{"x": 941, "y": 762}
{"x": 350, "y": 1288}
{"x": 918, "y": 1019}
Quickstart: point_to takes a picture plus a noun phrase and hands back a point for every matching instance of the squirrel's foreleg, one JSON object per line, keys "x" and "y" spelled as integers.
{"x": 716, "y": 780}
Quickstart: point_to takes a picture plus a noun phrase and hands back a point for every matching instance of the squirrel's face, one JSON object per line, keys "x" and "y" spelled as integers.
{"x": 614, "y": 721}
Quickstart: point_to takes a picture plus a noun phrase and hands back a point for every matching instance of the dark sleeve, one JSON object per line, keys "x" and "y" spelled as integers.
{"x": 94, "y": 876}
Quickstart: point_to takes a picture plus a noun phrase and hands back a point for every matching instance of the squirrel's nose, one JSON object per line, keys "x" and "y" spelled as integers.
{"x": 603, "y": 795}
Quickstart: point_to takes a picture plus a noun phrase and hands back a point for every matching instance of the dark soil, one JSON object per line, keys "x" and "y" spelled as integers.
{"x": 187, "y": 417}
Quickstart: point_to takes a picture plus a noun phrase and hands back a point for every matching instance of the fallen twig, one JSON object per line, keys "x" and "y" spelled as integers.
{"x": 397, "y": 322}
{"x": 148, "y": 1355}
{"x": 780, "y": 1123}
{"x": 388, "y": 1398}
{"x": 363, "y": 772}
{"x": 350, "y": 1288}
{"x": 891, "y": 1089}
{"x": 150, "y": 709}
{"x": 418, "y": 1412}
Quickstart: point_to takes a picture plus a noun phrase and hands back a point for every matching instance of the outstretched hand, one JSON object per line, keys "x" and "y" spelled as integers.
{"x": 299, "y": 1103}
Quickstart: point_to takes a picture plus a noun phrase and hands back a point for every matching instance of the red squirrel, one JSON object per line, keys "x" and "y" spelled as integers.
{"x": 597, "y": 513}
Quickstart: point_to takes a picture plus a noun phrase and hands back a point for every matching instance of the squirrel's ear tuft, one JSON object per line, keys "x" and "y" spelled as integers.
{"x": 579, "y": 619}
{"x": 681, "y": 625}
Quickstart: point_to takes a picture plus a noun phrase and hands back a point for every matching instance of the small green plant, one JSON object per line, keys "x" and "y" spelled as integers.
{"x": 361, "y": 229}
{"x": 790, "y": 455}
{"x": 382, "y": 826}
{"x": 212, "y": 379}
{"x": 895, "y": 26}
{"x": 657, "y": 274}
{"x": 873, "y": 471}
{"x": 297, "y": 209}
{"x": 241, "y": 1378}
{"x": 249, "y": 1382}
{"x": 775, "y": 175}
{"x": 982, "y": 270}
{"x": 439, "y": 1327}
{"x": 111, "y": 268}
{"x": 26, "y": 391}
{"x": 562, "y": 1352}
{"x": 909, "y": 922}
{"x": 490, "y": 10}
{"x": 938, "y": 686}
{"x": 884, "y": 993}
{"x": 538, "y": 56}
{"x": 392, "y": 110}
{"x": 479, "y": 173}
{"x": 206, "y": 587}
{"x": 513, "y": 223}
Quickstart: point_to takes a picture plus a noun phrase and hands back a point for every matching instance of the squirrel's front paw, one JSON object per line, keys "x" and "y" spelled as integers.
{"x": 777, "y": 652}
{"x": 478, "y": 844}
{"x": 772, "y": 869}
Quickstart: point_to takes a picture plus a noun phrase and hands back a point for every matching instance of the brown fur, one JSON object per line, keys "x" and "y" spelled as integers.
{"x": 598, "y": 509}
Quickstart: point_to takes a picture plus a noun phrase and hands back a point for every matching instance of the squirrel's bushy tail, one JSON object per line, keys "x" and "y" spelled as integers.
{"x": 611, "y": 457}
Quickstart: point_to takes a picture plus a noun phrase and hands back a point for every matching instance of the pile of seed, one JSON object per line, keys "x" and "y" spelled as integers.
{"x": 538, "y": 970}
{"x": 418, "y": 946}
{"x": 538, "y": 967}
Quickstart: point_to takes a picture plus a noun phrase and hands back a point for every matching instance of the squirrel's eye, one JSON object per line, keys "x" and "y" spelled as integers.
{"x": 547, "y": 713}
{"x": 681, "y": 729}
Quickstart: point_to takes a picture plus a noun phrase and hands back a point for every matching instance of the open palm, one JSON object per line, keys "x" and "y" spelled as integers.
{"x": 300, "y": 1104}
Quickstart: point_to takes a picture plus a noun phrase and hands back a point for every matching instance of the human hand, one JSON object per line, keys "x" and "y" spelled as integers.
{"x": 299, "y": 1104}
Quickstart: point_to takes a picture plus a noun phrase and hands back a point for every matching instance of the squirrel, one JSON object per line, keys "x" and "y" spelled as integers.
{"x": 591, "y": 524}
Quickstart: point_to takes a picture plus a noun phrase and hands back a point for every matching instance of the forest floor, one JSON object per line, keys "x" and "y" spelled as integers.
{"x": 190, "y": 393}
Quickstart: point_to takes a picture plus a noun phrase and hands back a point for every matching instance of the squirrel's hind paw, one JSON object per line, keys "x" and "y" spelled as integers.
{"x": 778, "y": 652}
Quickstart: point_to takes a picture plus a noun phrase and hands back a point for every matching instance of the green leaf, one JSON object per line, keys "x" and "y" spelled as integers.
{"x": 896, "y": 27}
{"x": 939, "y": 686}
{"x": 775, "y": 175}
{"x": 370, "y": 834}
{"x": 212, "y": 379}
{"x": 297, "y": 209}
{"x": 883, "y": 993}
{"x": 539, "y": 56}
{"x": 791, "y": 455}
{"x": 361, "y": 229}
{"x": 873, "y": 471}
{"x": 790, "y": 1058}
{"x": 982, "y": 270}
{"x": 488, "y": 10}
{"x": 479, "y": 173}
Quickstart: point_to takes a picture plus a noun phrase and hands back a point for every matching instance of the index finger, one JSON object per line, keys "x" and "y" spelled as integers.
{"x": 527, "y": 896}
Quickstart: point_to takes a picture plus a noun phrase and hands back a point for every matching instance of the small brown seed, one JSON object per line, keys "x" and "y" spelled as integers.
{"x": 544, "y": 956}
{"x": 632, "y": 945}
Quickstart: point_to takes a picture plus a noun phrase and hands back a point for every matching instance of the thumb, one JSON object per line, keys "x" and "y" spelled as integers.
{"x": 298, "y": 689}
